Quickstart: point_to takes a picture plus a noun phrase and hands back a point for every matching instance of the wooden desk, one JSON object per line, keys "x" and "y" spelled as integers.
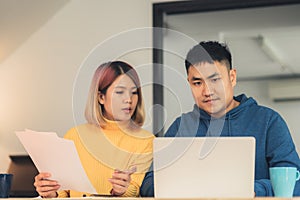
{"x": 116, "y": 198}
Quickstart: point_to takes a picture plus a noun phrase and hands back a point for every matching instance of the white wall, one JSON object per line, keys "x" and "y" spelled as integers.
{"x": 36, "y": 80}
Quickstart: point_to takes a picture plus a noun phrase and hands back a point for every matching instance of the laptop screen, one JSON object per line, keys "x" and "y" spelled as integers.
{"x": 204, "y": 167}
{"x": 24, "y": 171}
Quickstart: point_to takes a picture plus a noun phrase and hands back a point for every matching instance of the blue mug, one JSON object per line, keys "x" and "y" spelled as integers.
{"x": 5, "y": 185}
{"x": 283, "y": 180}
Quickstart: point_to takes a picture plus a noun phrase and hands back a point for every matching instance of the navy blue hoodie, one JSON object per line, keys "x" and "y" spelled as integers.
{"x": 274, "y": 145}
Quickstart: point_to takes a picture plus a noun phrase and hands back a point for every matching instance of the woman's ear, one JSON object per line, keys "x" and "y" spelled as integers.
{"x": 101, "y": 98}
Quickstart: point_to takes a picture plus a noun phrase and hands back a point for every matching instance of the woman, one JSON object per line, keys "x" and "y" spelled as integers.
{"x": 113, "y": 148}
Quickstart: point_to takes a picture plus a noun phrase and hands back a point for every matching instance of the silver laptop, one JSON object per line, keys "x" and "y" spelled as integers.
{"x": 208, "y": 167}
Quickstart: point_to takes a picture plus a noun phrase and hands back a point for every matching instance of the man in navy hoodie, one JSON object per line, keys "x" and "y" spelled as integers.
{"x": 218, "y": 112}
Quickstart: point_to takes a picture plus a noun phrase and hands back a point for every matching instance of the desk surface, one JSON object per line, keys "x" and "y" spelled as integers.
{"x": 116, "y": 198}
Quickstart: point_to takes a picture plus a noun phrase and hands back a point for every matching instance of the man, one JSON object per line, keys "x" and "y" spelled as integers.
{"x": 218, "y": 112}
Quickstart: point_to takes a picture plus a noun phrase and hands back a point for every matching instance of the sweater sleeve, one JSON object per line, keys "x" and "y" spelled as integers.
{"x": 145, "y": 161}
{"x": 132, "y": 190}
{"x": 63, "y": 194}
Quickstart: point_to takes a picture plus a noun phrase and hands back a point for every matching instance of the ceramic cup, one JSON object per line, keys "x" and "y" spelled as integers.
{"x": 5, "y": 185}
{"x": 283, "y": 180}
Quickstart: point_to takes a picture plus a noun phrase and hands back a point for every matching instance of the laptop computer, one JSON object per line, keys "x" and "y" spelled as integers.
{"x": 204, "y": 167}
{"x": 24, "y": 171}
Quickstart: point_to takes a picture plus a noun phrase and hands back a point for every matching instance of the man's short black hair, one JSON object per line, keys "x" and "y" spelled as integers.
{"x": 209, "y": 52}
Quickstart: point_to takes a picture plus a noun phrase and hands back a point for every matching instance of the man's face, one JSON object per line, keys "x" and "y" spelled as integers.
{"x": 212, "y": 87}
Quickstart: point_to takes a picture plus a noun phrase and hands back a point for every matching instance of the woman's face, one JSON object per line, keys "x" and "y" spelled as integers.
{"x": 120, "y": 99}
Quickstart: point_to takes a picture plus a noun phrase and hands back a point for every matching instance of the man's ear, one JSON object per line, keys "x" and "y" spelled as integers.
{"x": 232, "y": 76}
{"x": 101, "y": 98}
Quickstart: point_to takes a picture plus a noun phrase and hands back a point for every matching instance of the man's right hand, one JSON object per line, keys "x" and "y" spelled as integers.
{"x": 46, "y": 187}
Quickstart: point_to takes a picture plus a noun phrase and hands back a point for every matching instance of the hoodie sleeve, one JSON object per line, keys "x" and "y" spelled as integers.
{"x": 280, "y": 150}
{"x": 263, "y": 188}
{"x": 173, "y": 129}
{"x": 147, "y": 187}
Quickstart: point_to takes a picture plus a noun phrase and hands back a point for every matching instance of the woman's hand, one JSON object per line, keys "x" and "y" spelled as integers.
{"x": 120, "y": 181}
{"x": 46, "y": 187}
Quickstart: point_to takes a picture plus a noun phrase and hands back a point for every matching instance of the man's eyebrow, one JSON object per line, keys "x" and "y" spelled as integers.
{"x": 213, "y": 75}
{"x": 209, "y": 77}
{"x": 196, "y": 78}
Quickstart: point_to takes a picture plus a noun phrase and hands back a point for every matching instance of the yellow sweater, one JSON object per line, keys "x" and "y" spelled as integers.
{"x": 101, "y": 150}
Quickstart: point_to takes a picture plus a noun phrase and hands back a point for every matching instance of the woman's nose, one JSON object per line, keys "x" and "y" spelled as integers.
{"x": 127, "y": 98}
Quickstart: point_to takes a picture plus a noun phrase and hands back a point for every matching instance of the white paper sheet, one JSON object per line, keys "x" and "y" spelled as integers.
{"x": 57, "y": 156}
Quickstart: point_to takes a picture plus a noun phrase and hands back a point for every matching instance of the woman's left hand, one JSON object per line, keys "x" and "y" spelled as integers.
{"x": 120, "y": 181}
